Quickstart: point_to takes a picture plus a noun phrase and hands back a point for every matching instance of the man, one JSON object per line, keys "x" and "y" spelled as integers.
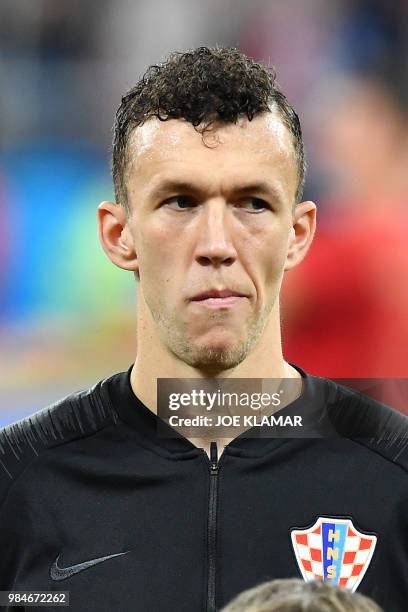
{"x": 208, "y": 167}
{"x": 296, "y": 596}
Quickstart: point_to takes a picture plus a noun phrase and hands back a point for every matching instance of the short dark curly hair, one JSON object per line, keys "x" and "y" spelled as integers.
{"x": 202, "y": 86}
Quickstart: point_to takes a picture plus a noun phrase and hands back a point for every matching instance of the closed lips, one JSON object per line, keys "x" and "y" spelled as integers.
{"x": 212, "y": 293}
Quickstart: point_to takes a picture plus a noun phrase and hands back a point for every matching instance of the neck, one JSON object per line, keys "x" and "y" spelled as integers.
{"x": 154, "y": 360}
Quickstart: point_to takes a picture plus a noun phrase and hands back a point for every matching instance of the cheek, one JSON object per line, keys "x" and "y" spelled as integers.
{"x": 267, "y": 256}
{"x": 276, "y": 260}
{"x": 157, "y": 255}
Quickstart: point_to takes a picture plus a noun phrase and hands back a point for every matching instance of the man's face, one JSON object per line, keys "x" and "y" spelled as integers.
{"x": 211, "y": 215}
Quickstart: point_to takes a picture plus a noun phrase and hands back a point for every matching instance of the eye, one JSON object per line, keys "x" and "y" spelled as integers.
{"x": 253, "y": 204}
{"x": 180, "y": 202}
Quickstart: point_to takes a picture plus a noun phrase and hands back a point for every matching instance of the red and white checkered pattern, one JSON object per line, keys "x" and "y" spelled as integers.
{"x": 358, "y": 551}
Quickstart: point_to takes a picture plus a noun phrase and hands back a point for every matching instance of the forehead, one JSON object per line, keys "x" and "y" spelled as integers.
{"x": 261, "y": 146}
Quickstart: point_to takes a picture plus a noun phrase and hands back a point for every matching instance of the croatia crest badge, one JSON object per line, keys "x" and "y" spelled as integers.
{"x": 333, "y": 550}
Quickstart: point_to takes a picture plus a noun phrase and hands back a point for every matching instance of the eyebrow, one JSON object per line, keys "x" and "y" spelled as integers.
{"x": 260, "y": 187}
{"x": 174, "y": 185}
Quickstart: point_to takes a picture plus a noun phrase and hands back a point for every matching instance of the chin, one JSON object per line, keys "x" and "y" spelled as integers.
{"x": 219, "y": 354}
{"x": 221, "y": 345}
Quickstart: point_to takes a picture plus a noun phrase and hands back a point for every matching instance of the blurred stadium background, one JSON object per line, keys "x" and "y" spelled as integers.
{"x": 66, "y": 314}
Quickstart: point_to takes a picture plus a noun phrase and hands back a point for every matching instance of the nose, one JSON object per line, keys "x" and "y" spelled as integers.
{"x": 214, "y": 236}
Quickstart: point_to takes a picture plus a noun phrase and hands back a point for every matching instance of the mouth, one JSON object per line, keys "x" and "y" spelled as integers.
{"x": 214, "y": 298}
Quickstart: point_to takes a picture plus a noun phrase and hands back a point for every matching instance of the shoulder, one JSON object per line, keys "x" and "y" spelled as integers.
{"x": 76, "y": 416}
{"x": 356, "y": 415}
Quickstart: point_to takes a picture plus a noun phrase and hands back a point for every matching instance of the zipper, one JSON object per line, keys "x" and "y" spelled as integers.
{"x": 212, "y": 527}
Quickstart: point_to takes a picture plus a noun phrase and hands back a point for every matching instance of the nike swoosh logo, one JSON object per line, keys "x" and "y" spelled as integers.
{"x": 61, "y": 573}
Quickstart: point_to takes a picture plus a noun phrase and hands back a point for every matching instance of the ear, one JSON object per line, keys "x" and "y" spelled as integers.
{"x": 115, "y": 236}
{"x": 301, "y": 233}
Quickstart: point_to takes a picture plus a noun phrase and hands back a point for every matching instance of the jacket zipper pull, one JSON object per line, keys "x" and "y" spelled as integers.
{"x": 214, "y": 457}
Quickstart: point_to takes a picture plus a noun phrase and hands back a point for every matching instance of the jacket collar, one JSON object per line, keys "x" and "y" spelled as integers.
{"x": 257, "y": 441}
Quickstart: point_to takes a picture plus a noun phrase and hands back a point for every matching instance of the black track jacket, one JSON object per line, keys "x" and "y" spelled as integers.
{"x": 93, "y": 502}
